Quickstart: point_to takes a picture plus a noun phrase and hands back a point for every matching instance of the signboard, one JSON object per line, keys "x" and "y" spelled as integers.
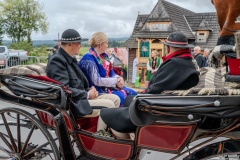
{"x": 144, "y": 48}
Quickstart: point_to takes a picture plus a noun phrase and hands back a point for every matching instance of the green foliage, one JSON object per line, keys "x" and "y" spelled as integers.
{"x": 111, "y": 44}
{"x": 39, "y": 51}
{"x": 125, "y": 67}
{"x": 22, "y": 45}
{"x": 114, "y": 43}
{"x": 1, "y": 36}
{"x": 22, "y": 17}
{"x": 1, "y": 31}
{"x": 83, "y": 50}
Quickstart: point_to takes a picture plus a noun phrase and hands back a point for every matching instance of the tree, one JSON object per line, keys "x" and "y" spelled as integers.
{"x": 22, "y": 17}
{"x": 22, "y": 45}
{"x": 1, "y": 33}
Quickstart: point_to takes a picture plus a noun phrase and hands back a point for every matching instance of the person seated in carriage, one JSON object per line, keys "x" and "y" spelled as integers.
{"x": 98, "y": 69}
{"x": 63, "y": 67}
{"x": 177, "y": 72}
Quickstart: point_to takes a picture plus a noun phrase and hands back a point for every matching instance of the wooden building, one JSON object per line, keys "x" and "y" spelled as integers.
{"x": 200, "y": 28}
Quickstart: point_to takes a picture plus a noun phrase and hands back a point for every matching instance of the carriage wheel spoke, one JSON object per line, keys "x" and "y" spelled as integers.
{"x": 18, "y": 134}
{"x": 14, "y": 147}
{"x": 36, "y": 149}
{"x": 6, "y": 141}
{"x": 27, "y": 140}
{"x": 4, "y": 150}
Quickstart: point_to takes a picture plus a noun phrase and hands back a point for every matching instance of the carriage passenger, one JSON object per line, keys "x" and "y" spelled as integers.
{"x": 98, "y": 69}
{"x": 177, "y": 72}
{"x": 63, "y": 67}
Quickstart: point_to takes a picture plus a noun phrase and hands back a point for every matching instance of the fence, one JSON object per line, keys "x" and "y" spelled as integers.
{"x": 10, "y": 61}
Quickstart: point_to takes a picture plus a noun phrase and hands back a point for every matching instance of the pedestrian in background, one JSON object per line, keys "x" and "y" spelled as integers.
{"x": 152, "y": 65}
{"x": 205, "y": 56}
{"x": 199, "y": 57}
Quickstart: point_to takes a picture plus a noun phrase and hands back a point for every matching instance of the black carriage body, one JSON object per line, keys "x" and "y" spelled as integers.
{"x": 167, "y": 113}
{"x": 46, "y": 98}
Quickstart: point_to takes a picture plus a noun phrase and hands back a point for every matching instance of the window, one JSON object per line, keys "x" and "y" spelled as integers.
{"x": 163, "y": 27}
{"x": 201, "y": 37}
{"x": 159, "y": 27}
{"x": 2, "y": 49}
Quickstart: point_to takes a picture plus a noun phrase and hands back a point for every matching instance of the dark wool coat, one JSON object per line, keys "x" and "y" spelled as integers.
{"x": 174, "y": 74}
{"x": 200, "y": 60}
{"x": 64, "y": 68}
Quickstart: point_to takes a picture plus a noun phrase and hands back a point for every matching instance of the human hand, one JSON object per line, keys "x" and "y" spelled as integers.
{"x": 93, "y": 88}
{"x": 93, "y": 93}
{"x": 120, "y": 82}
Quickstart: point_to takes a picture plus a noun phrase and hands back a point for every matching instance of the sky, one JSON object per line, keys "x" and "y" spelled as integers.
{"x": 116, "y": 18}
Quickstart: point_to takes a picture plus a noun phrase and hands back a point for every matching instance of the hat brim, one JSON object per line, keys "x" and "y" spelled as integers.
{"x": 64, "y": 41}
{"x": 178, "y": 45}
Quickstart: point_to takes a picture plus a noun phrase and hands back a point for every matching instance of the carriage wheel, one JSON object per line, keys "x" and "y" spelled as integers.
{"x": 229, "y": 149}
{"x": 23, "y": 137}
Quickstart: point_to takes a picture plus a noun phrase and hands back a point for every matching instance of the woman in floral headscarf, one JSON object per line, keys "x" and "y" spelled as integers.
{"x": 99, "y": 70}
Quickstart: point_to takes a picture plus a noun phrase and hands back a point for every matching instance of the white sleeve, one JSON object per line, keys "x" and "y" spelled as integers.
{"x": 95, "y": 77}
{"x": 148, "y": 67}
{"x": 112, "y": 60}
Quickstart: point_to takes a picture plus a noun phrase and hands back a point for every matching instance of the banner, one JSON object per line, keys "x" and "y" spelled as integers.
{"x": 144, "y": 49}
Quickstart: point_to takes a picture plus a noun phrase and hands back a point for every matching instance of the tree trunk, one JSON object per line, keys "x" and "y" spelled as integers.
{"x": 29, "y": 40}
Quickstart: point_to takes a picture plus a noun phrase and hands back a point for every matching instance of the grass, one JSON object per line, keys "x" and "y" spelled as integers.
{"x": 83, "y": 50}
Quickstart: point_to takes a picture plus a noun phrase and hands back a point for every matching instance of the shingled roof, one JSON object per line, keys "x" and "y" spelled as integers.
{"x": 210, "y": 23}
{"x": 182, "y": 20}
{"x": 177, "y": 15}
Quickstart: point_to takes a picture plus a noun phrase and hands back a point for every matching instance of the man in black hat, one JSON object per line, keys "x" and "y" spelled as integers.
{"x": 177, "y": 72}
{"x": 63, "y": 67}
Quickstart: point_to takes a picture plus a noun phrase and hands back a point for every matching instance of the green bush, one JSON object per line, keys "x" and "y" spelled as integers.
{"x": 83, "y": 50}
{"x": 125, "y": 67}
{"x": 32, "y": 51}
{"x": 23, "y": 45}
{"x": 39, "y": 51}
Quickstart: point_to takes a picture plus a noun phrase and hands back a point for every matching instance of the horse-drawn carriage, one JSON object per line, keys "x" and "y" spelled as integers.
{"x": 182, "y": 123}
{"x": 200, "y": 123}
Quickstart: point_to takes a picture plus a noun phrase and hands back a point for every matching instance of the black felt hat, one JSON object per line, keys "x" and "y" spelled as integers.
{"x": 55, "y": 47}
{"x": 70, "y": 36}
{"x": 178, "y": 40}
